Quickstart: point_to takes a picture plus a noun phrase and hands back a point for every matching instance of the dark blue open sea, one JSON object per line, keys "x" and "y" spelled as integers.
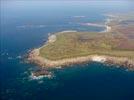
{"x": 26, "y": 24}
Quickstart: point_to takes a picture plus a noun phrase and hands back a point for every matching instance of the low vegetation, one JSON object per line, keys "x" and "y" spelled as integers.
{"x": 74, "y": 44}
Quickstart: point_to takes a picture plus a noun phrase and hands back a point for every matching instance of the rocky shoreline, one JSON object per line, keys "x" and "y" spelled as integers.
{"x": 124, "y": 62}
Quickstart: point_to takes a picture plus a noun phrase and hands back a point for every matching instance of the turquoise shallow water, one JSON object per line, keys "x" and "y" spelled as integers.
{"x": 25, "y": 25}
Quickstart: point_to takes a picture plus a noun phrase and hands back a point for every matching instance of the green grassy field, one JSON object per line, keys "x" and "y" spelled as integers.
{"x": 75, "y": 44}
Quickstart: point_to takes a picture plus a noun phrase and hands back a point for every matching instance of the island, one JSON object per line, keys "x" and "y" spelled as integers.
{"x": 115, "y": 45}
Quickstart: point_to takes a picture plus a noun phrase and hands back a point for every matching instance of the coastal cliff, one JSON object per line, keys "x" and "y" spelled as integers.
{"x": 43, "y": 62}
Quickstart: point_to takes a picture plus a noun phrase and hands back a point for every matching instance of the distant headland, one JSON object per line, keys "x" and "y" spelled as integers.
{"x": 113, "y": 46}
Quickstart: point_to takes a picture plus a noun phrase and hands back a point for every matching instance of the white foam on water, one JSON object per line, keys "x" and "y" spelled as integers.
{"x": 33, "y": 77}
{"x": 58, "y": 67}
{"x": 98, "y": 59}
{"x": 18, "y": 57}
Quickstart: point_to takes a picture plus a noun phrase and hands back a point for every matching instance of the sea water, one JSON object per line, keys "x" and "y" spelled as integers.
{"x": 26, "y": 24}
